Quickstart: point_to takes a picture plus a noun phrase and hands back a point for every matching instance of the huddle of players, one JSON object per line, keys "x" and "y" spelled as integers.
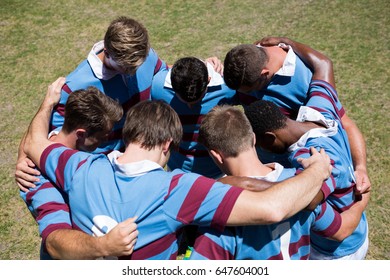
{"x": 126, "y": 103}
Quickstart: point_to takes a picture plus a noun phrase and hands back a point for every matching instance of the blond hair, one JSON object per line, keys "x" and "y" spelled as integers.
{"x": 127, "y": 42}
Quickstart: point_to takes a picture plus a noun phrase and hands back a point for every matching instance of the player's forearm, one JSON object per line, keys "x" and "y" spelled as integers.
{"x": 66, "y": 244}
{"x": 321, "y": 65}
{"x": 37, "y": 133}
{"x": 350, "y": 218}
{"x": 357, "y": 143}
{"x": 247, "y": 183}
{"x": 281, "y": 201}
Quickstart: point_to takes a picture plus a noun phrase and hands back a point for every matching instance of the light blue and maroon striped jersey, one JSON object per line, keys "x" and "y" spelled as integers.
{"x": 193, "y": 156}
{"x": 102, "y": 194}
{"x": 289, "y": 239}
{"x": 49, "y": 208}
{"x": 128, "y": 90}
{"x": 287, "y": 92}
{"x": 340, "y": 193}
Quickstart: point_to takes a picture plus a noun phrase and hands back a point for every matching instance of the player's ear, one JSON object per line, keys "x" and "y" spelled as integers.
{"x": 216, "y": 156}
{"x": 166, "y": 146}
{"x": 254, "y": 139}
{"x": 81, "y": 134}
{"x": 268, "y": 140}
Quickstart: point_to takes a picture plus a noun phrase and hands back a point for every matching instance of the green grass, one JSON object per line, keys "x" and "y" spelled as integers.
{"x": 41, "y": 40}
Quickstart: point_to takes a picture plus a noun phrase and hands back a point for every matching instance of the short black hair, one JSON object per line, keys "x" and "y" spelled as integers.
{"x": 189, "y": 78}
{"x": 264, "y": 116}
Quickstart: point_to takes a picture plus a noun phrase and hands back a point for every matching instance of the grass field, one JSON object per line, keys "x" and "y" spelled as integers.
{"x": 41, "y": 40}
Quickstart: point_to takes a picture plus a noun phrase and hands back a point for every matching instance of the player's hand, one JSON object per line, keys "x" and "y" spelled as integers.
{"x": 363, "y": 184}
{"x": 121, "y": 239}
{"x": 273, "y": 41}
{"x": 216, "y": 63}
{"x": 319, "y": 160}
{"x": 26, "y": 174}
{"x": 53, "y": 93}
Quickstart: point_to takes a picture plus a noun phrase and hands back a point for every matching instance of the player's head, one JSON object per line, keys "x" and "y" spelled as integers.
{"x": 126, "y": 44}
{"x": 226, "y": 130}
{"x": 91, "y": 115}
{"x": 152, "y": 124}
{"x": 244, "y": 66}
{"x": 268, "y": 123}
{"x": 189, "y": 79}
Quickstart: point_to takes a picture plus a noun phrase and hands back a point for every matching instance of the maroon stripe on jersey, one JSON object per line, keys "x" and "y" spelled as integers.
{"x": 305, "y": 257}
{"x": 210, "y": 250}
{"x": 62, "y": 161}
{"x": 341, "y": 112}
{"x": 326, "y": 189}
{"x": 302, "y": 152}
{"x": 290, "y": 113}
{"x": 60, "y": 109}
{"x": 295, "y": 246}
{"x": 50, "y": 207}
{"x": 154, "y": 248}
{"x": 174, "y": 182}
{"x": 327, "y": 97}
{"x": 194, "y": 153}
{"x": 191, "y": 119}
{"x": 33, "y": 191}
{"x": 277, "y": 257}
{"x": 158, "y": 66}
{"x": 332, "y": 228}
{"x": 246, "y": 99}
{"x": 190, "y": 137}
{"x": 50, "y": 228}
{"x": 81, "y": 163}
{"x": 191, "y": 204}
{"x": 66, "y": 89}
{"x": 45, "y": 154}
{"x": 136, "y": 98}
{"x": 225, "y": 208}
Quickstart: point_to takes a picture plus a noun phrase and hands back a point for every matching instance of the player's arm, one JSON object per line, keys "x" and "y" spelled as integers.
{"x": 36, "y": 138}
{"x": 350, "y": 218}
{"x": 69, "y": 244}
{"x": 25, "y": 171}
{"x": 284, "y": 199}
{"x": 247, "y": 183}
{"x": 359, "y": 155}
{"x": 321, "y": 65}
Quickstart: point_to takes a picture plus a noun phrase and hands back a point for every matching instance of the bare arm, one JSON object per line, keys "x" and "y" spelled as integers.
{"x": 25, "y": 171}
{"x": 359, "y": 156}
{"x": 36, "y": 138}
{"x": 247, "y": 183}
{"x": 284, "y": 199}
{"x": 351, "y": 218}
{"x": 67, "y": 244}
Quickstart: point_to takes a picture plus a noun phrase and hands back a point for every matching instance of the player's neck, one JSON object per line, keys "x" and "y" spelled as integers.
{"x": 247, "y": 164}
{"x": 276, "y": 57}
{"x": 297, "y": 129}
{"x": 134, "y": 153}
{"x": 68, "y": 140}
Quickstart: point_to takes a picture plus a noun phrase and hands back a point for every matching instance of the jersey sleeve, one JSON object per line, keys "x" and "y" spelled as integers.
{"x": 329, "y": 185}
{"x": 59, "y": 164}
{"x": 328, "y": 220}
{"x": 324, "y": 98}
{"x": 48, "y": 207}
{"x": 198, "y": 200}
